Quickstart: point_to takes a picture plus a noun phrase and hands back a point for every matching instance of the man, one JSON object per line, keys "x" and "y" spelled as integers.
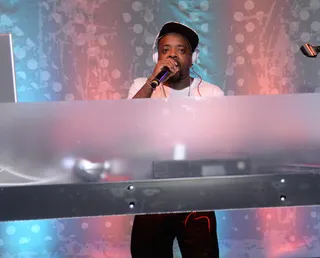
{"x": 177, "y": 50}
{"x": 153, "y": 235}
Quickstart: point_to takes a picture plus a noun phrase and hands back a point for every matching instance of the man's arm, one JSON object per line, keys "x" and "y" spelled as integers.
{"x": 145, "y": 91}
{"x": 140, "y": 89}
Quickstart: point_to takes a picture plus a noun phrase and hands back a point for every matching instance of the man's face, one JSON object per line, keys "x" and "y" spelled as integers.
{"x": 177, "y": 47}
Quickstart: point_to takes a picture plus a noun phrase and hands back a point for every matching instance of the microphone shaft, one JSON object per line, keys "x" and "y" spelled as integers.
{"x": 160, "y": 77}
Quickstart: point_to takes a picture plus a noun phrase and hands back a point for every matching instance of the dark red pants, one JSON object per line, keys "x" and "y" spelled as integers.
{"x": 153, "y": 235}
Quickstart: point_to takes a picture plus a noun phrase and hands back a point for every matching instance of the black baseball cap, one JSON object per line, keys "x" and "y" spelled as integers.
{"x": 175, "y": 27}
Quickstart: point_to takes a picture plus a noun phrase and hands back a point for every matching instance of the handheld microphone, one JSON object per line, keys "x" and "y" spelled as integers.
{"x": 309, "y": 50}
{"x": 160, "y": 77}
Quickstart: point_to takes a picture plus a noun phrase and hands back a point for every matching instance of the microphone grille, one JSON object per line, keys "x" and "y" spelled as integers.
{"x": 308, "y": 50}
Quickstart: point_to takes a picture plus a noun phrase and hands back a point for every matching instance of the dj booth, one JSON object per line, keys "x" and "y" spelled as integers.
{"x": 57, "y": 160}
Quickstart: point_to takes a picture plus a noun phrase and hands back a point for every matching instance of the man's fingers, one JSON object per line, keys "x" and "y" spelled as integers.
{"x": 173, "y": 62}
{"x": 172, "y": 65}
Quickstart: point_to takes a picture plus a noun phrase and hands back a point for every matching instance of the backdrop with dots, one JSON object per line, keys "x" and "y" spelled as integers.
{"x": 94, "y": 49}
{"x": 87, "y": 50}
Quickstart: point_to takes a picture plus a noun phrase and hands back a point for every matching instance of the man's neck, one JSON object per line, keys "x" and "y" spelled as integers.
{"x": 182, "y": 84}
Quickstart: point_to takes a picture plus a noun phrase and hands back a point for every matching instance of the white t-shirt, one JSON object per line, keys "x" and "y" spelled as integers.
{"x": 205, "y": 89}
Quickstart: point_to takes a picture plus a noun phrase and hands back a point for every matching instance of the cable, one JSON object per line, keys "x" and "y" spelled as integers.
{"x": 36, "y": 180}
{"x": 17, "y": 174}
{"x": 202, "y": 217}
{"x": 198, "y": 87}
{"x": 29, "y": 183}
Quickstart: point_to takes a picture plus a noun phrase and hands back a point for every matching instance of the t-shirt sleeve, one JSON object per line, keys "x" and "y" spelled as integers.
{"x": 136, "y": 86}
{"x": 210, "y": 90}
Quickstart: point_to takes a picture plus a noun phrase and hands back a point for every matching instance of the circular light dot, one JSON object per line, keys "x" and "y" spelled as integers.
{"x": 139, "y": 51}
{"x": 269, "y": 216}
{"x": 126, "y": 17}
{"x": 35, "y": 228}
{"x": 149, "y": 40}
{"x": 283, "y": 198}
{"x": 260, "y": 15}
{"x": 250, "y": 27}
{"x": 45, "y": 76}
{"x": 149, "y": 17}
{"x": 91, "y": 29}
{"x": 194, "y": 16}
{"x": 104, "y": 85}
{"x": 224, "y": 218}
{"x": 131, "y": 205}
{"x": 294, "y": 26}
{"x": 315, "y": 26}
{"x": 304, "y": 15}
{"x": 239, "y": 38}
{"x": 57, "y": 17}
{"x": 130, "y": 187}
{"x": 274, "y": 92}
{"x": 84, "y": 225}
{"x": 10, "y": 230}
{"x": 116, "y": 96}
{"x": 102, "y": 41}
{"x": 235, "y": 229}
{"x": 240, "y": 60}
{"x": 183, "y": 5}
{"x": 146, "y": 73}
{"x": 282, "y": 181}
{"x": 80, "y": 40}
{"x": 230, "y": 50}
{"x": 69, "y": 97}
{"x": 108, "y": 224}
{"x": 205, "y": 27}
{"x": 93, "y": 51}
{"x": 230, "y": 93}
{"x": 48, "y": 238}
{"x": 79, "y": 18}
{"x": 249, "y": 5}
{"x": 68, "y": 29}
{"x": 104, "y": 63}
{"x": 116, "y": 74}
{"x": 315, "y": 4}
{"x": 57, "y": 87}
{"x": 238, "y": 16}
{"x": 258, "y": 228}
{"x": 240, "y": 82}
{"x": 149, "y": 62}
{"x": 246, "y": 217}
{"x": 305, "y": 36}
{"x": 19, "y": 52}
{"x": 294, "y": 48}
{"x": 204, "y": 5}
{"x": 137, "y": 28}
{"x": 24, "y": 240}
{"x": 137, "y": 6}
{"x": 250, "y": 49}
{"x": 229, "y": 71}
{"x": 32, "y": 64}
